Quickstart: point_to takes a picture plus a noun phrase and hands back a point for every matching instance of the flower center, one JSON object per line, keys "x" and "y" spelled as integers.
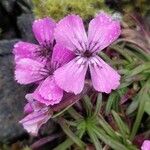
{"x": 44, "y": 52}
{"x": 87, "y": 54}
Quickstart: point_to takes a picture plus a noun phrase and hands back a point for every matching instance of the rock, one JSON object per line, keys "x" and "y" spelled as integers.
{"x": 24, "y": 23}
{"x": 7, "y": 23}
{"x": 6, "y": 46}
{"x": 12, "y": 99}
{"x": 11, "y": 96}
{"x": 8, "y": 5}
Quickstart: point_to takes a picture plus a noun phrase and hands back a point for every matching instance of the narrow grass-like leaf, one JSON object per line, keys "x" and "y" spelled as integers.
{"x": 98, "y": 104}
{"x": 65, "y": 145}
{"x": 112, "y": 98}
{"x": 87, "y": 105}
{"x": 124, "y": 84}
{"x": 74, "y": 113}
{"x": 138, "y": 51}
{"x": 139, "y": 69}
{"x": 105, "y": 57}
{"x": 70, "y": 134}
{"x": 135, "y": 54}
{"x": 142, "y": 100}
{"x": 108, "y": 129}
{"x": 133, "y": 106}
{"x": 122, "y": 52}
{"x": 120, "y": 123}
{"x": 95, "y": 140}
{"x": 122, "y": 126}
{"x": 147, "y": 106}
{"x": 108, "y": 140}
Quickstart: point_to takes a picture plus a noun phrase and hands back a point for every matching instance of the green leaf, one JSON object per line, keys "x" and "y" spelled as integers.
{"x": 112, "y": 98}
{"x": 133, "y": 106}
{"x": 147, "y": 106}
{"x": 65, "y": 145}
{"x": 94, "y": 139}
{"x": 124, "y": 84}
{"x": 142, "y": 100}
{"x": 108, "y": 140}
{"x": 81, "y": 127}
{"x": 108, "y": 129}
{"x": 120, "y": 123}
{"x": 138, "y": 69}
{"x": 68, "y": 142}
{"x": 70, "y": 134}
{"x": 140, "y": 53}
{"x": 105, "y": 57}
{"x": 98, "y": 104}
{"x": 74, "y": 113}
{"x": 123, "y": 52}
{"x": 122, "y": 126}
{"x": 87, "y": 105}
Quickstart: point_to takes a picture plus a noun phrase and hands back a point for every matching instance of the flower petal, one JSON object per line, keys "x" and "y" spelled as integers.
{"x": 44, "y": 31}
{"x": 32, "y": 104}
{"x": 25, "y": 50}
{"x": 104, "y": 78}
{"x": 29, "y": 71}
{"x": 103, "y": 30}
{"x": 61, "y": 56}
{"x": 71, "y": 76}
{"x": 70, "y": 32}
{"x": 146, "y": 145}
{"x": 35, "y": 120}
{"x": 48, "y": 92}
{"x": 28, "y": 108}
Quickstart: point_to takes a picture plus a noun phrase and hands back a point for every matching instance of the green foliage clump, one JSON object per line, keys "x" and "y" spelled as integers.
{"x": 59, "y": 8}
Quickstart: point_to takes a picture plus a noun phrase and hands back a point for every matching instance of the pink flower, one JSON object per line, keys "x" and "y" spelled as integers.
{"x": 38, "y": 115}
{"x": 146, "y": 145}
{"x": 70, "y": 31}
{"x": 48, "y": 92}
{"x": 32, "y": 58}
{"x": 36, "y": 64}
{"x": 43, "y": 30}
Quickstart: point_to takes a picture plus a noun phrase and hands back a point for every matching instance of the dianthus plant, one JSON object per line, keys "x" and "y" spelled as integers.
{"x": 63, "y": 60}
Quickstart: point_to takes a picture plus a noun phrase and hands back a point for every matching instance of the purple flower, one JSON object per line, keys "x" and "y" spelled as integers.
{"x": 70, "y": 31}
{"x": 146, "y": 145}
{"x": 43, "y": 30}
{"x": 38, "y": 114}
{"x": 32, "y": 58}
{"x": 35, "y": 63}
{"x": 48, "y": 92}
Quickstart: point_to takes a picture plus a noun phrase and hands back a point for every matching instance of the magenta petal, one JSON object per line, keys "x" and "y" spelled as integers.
{"x": 50, "y": 92}
{"x": 104, "y": 78}
{"x": 32, "y": 104}
{"x": 146, "y": 145}
{"x": 29, "y": 71}
{"x": 28, "y": 108}
{"x": 71, "y": 76}
{"x": 25, "y": 50}
{"x": 70, "y": 32}
{"x": 61, "y": 56}
{"x": 103, "y": 30}
{"x": 35, "y": 120}
{"x": 39, "y": 98}
{"x": 44, "y": 31}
